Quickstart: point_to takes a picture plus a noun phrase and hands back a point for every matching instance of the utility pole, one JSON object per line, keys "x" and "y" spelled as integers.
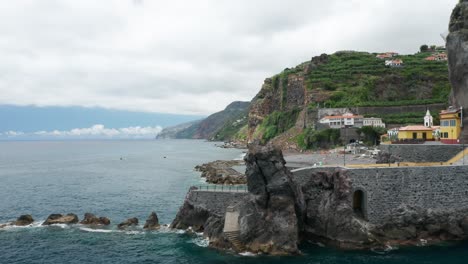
{"x": 344, "y": 147}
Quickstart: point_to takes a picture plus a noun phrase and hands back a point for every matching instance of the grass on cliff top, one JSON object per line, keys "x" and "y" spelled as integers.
{"x": 361, "y": 79}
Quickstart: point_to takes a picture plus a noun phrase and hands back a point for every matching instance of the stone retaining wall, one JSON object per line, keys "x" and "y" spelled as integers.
{"x": 422, "y": 153}
{"x": 215, "y": 202}
{"x": 443, "y": 188}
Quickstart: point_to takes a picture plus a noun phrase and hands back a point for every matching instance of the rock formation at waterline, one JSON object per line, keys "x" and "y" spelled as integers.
{"x": 457, "y": 51}
{"x": 91, "y": 219}
{"x": 128, "y": 223}
{"x": 152, "y": 223}
{"x": 23, "y": 220}
{"x": 61, "y": 219}
{"x": 271, "y": 216}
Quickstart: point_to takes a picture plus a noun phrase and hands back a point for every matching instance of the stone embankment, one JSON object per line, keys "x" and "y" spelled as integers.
{"x": 221, "y": 172}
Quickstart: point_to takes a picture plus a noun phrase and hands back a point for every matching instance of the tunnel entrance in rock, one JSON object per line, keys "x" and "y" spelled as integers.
{"x": 359, "y": 206}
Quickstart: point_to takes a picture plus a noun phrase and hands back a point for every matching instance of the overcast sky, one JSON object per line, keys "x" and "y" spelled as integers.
{"x": 188, "y": 57}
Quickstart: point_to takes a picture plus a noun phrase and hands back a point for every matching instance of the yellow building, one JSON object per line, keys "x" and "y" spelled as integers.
{"x": 416, "y": 132}
{"x": 450, "y": 125}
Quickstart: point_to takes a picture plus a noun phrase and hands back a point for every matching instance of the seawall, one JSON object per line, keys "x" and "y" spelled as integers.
{"x": 385, "y": 190}
{"x": 421, "y": 152}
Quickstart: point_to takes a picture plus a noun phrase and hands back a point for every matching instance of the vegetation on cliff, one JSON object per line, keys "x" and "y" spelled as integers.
{"x": 361, "y": 79}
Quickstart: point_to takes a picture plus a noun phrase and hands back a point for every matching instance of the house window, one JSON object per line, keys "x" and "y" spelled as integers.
{"x": 444, "y": 123}
{"x": 453, "y": 123}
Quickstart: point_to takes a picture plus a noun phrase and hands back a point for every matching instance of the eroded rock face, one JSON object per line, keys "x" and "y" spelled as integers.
{"x": 61, "y": 219}
{"x": 91, "y": 219}
{"x": 152, "y": 223}
{"x": 271, "y": 217}
{"x": 128, "y": 223}
{"x": 329, "y": 215}
{"x": 457, "y": 51}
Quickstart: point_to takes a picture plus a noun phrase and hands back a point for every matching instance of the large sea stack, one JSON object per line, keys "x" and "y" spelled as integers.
{"x": 457, "y": 49}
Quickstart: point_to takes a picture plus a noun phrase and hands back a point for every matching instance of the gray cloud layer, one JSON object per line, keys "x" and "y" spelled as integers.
{"x": 190, "y": 57}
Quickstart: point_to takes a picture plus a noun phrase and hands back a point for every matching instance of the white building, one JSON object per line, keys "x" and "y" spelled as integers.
{"x": 373, "y": 122}
{"x": 339, "y": 121}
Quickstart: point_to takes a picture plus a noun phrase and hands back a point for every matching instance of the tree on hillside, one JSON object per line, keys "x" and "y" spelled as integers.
{"x": 424, "y": 48}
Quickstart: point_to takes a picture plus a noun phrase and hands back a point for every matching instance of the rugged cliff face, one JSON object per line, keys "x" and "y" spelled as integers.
{"x": 457, "y": 49}
{"x": 271, "y": 217}
{"x": 288, "y": 102}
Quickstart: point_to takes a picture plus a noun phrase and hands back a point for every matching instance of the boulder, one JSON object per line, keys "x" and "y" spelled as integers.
{"x": 61, "y": 219}
{"x": 152, "y": 223}
{"x": 128, "y": 223}
{"x": 23, "y": 220}
{"x": 91, "y": 219}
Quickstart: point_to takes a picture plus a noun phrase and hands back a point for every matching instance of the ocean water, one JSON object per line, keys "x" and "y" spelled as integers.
{"x": 123, "y": 179}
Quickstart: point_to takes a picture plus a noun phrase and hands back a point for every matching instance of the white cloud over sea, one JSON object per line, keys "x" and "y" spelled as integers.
{"x": 97, "y": 131}
{"x": 188, "y": 57}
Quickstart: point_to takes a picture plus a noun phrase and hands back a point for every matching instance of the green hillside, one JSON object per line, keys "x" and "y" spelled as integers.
{"x": 361, "y": 79}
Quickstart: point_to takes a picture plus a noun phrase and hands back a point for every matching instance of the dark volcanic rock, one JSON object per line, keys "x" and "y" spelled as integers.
{"x": 386, "y": 157}
{"x": 191, "y": 215}
{"x": 329, "y": 215}
{"x": 457, "y": 52}
{"x": 271, "y": 218}
{"x": 91, "y": 219}
{"x": 152, "y": 222}
{"x": 61, "y": 219}
{"x": 128, "y": 223}
{"x": 23, "y": 220}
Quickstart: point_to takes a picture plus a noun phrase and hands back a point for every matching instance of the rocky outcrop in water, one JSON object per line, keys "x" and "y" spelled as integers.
{"x": 91, "y": 219}
{"x": 221, "y": 172}
{"x": 457, "y": 51}
{"x": 128, "y": 223}
{"x": 152, "y": 223}
{"x": 61, "y": 219}
{"x": 23, "y": 220}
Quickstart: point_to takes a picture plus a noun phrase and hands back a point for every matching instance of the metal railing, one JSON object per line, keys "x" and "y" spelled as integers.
{"x": 222, "y": 188}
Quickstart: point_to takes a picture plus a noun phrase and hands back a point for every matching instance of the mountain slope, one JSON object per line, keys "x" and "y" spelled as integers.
{"x": 290, "y": 101}
{"x": 222, "y": 125}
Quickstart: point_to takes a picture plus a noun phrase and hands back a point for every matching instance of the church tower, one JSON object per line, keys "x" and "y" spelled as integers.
{"x": 428, "y": 120}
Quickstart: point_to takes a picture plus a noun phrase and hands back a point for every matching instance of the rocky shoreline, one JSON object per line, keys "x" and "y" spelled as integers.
{"x": 279, "y": 213}
{"x": 89, "y": 219}
{"x": 221, "y": 172}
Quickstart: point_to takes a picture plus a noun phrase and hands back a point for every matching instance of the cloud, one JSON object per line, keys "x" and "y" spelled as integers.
{"x": 188, "y": 57}
{"x": 97, "y": 131}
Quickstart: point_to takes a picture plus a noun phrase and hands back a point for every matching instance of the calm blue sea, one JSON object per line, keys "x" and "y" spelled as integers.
{"x": 122, "y": 179}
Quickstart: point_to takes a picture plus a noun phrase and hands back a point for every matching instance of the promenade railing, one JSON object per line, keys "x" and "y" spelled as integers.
{"x": 222, "y": 188}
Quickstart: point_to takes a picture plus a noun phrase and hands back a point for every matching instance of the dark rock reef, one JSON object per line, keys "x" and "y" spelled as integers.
{"x": 221, "y": 172}
{"x": 457, "y": 51}
{"x": 23, "y": 220}
{"x": 61, "y": 219}
{"x": 128, "y": 223}
{"x": 91, "y": 219}
{"x": 152, "y": 223}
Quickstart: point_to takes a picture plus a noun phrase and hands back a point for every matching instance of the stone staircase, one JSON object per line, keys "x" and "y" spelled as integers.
{"x": 233, "y": 237}
{"x": 231, "y": 227}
